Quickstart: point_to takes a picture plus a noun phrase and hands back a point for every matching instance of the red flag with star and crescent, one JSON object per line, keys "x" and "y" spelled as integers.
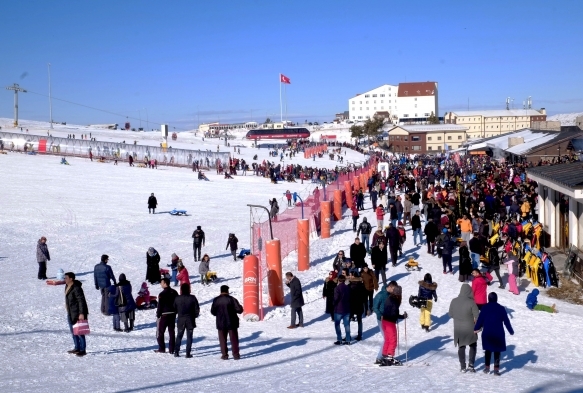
{"x": 284, "y": 79}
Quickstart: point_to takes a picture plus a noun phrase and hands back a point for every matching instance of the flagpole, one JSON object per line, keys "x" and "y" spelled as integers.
{"x": 285, "y": 100}
{"x": 280, "y": 105}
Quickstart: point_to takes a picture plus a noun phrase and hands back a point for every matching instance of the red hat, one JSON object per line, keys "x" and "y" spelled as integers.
{"x": 400, "y": 223}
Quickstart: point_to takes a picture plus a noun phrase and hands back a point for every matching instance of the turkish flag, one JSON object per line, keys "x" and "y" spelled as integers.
{"x": 284, "y": 79}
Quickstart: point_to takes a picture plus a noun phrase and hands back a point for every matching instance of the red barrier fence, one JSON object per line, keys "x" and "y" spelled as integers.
{"x": 285, "y": 224}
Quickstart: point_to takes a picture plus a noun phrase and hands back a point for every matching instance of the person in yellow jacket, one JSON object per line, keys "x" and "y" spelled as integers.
{"x": 525, "y": 209}
{"x": 466, "y": 227}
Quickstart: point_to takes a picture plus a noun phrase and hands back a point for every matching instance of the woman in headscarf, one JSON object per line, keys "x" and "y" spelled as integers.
{"x": 153, "y": 266}
{"x": 493, "y": 317}
{"x": 464, "y": 312}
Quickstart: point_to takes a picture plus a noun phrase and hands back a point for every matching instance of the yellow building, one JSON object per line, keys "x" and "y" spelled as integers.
{"x": 484, "y": 124}
{"x": 426, "y": 139}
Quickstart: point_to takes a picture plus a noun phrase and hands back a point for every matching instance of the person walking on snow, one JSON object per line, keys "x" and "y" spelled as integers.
{"x": 342, "y": 311}
{"x": 491, "y": 321}
{"x": 427, "y": 292}
{"x": 328, "y": 293}
{"x": 232, "y": 241}
{"x": 166, "y": 317}
{"x": 297, "y": 300}
{"x": 464, "y": 312}
{"x": 103, "y": 276}
{"x": 42, "y": 256}
{"x": 364, "y": 230}
{"x": 378, "y": 308}
{"x": 479, "y": 288}
{"x": 187, "y": 310}
{"x": 225, "y": 308}
{"x": 152, "y": 203}
{"x": 197, "y": 242}
{"x": 77, "y": 310}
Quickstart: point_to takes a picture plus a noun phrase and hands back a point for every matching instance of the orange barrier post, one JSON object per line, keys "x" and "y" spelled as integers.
{"x": 274, "y": 273}
{"x": 326, "y": 209}
{"x": 251, "y": 304}
{"x": 303, "y": 245}
{"x": 356, "y": 182}
{"x": 348, "y": 193}
{"x": 337, "y": 205}
{"x": 363, "y": 181}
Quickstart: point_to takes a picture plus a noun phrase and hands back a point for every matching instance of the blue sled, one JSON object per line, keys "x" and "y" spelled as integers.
{"x": 178, "y": 212}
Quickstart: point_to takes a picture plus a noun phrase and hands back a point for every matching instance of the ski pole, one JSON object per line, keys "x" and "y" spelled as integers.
{"x": 398, "y": 351}
{"x": 406, "y": 349}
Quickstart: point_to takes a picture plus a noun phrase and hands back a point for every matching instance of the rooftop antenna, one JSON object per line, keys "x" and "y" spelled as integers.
{"x": 529, "y": 102}
{"x": 16, "y": 89}
{"x": 508, "y": 103}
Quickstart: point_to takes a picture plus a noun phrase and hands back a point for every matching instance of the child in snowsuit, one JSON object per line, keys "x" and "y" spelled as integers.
{"x": 532, "y": 303}
{"x": 427, "y": 291}
{"x": 113, "y": 309}
{"x": 203, "y": 269}
{"x": 143, "y": 297}
{"x": 174, "y": 267}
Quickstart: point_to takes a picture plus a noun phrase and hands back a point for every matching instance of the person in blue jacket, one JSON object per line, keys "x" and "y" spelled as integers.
{"x": 492, "y": 319}
{"x": 113, "y": 308}
{"x": 342, "y": 311}
{"x": 532, "y": 303}
{"x": 103, "y": 276}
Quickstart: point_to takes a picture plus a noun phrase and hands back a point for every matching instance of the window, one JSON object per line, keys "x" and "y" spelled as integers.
{"x": 438, "y": 138}
{"x": 382, "y": 107}
{"x": 353, "y": 102}
{"x": 366, "y": 96}
{"x": 367, "y": 102}
{"x": 367, "y": 108}
{"x": 353, "y": 109}
{"x": 374, "y": 95}
{"x": 449, "y": 137}
{"x": 428, "y": 138}
{"x": 382, "y": 95}
{"x": 415, "y": 139}
{"x": 438, "y": 148}
{"x": 382, "y": 101}
{"x": 415, "y": 113}
{"x": 374, "y": 102}
{"x": 415, "y": 105}
{"x": 427, "y": 114}
{"x": 361, "y": 102}
{"x": 429, "y": 147}
{"x": 416, "y": 147}
{"x": 375, "y": 108}
{"x": 460, "y": 137}
{"x": 368, "y": 117}
{"x": 360, "y": 117}
{"x": 390, "y": 107}
{"x": 405, "y": 138}
{"x": 415, "y": 98}
{"x": 403, "y": 115}
{"x": 389, "y": 101}
{"x": 398, "y": 138}
{"x": 391, "y": 138}
{"x": 406, "y": 148}
{"x": 353, "y": 117}
{"x": 361, "y": 108}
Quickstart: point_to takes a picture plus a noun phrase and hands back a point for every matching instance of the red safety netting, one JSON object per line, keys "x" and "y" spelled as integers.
{"x": 284, "y": 226}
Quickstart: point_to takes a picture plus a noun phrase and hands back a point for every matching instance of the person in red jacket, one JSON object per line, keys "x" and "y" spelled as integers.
{"x": 355, "y": 216}
{"x": 380, "y": 216}
{"x": 479, "y": 288}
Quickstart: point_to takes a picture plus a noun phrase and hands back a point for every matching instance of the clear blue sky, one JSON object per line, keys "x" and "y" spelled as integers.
{"x": 172, "y": 59}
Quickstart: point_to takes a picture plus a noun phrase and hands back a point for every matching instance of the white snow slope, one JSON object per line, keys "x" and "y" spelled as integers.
{"x": 566, "y": 119}
{"x": 88, "y": 209}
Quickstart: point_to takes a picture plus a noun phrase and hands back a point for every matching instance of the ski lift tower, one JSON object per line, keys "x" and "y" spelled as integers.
{"x": 16, "y": 89}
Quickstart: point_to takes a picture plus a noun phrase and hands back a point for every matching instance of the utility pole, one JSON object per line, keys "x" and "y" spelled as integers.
{"x": 16, "y": 89}
{"x": 50, "y": 99}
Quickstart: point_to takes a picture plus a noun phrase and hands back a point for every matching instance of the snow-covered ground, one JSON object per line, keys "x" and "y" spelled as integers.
{"x": 566, "y": 119}
{"x": 88, "y": 209}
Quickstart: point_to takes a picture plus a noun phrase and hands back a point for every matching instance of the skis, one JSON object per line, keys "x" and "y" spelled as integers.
{"x": 403, "y": 365}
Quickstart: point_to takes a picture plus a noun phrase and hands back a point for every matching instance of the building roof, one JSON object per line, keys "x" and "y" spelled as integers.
{"x": 416, "y": 89}
{"x": 550, "y": 140}
{"x": 570, "y": 175}
{"x": 501, "y": 141}
{"x": 499, "y": 113}
{"x": 434, "y": 127}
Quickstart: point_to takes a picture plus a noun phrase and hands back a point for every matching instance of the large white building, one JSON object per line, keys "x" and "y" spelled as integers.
{"x": 487, "y": 123}
{"x": 411, "y": 102}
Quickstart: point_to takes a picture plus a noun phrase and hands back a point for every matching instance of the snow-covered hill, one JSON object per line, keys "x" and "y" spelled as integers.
{"x": 566, "y": 119}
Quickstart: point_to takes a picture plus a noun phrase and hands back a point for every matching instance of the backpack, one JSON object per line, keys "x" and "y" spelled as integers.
{"x": 121, "y": 300}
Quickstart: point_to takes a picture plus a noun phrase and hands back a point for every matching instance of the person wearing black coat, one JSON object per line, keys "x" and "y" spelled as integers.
{"x": 152, "y": 203}
{"x": 328, "y": 293}
{"x": 127, "y": 306}
{"x": 153, "y": 266}
{"x": 232, "y": 242}
{"x": 357, "y": 300}
{"x": 446, "y": 244}
{"x": 416, "y": 227}
{"x": 297, "y": 300}
{"x": 394, "y": 240}
{"x": 198, "y": 241}
{"x": 166, "y": 316}
{"x": 465, "y": 263}
{"x": 357, "y": 253}
{"x": 342, "y": 311}
{"x": 339, "y": 262}
{"x": 225, "y": 308}
{"x": 378, "y": 258}
{"x": 431, "y": 233}
{"x": 77, "y": 310}
{"x": 187, "y": 309}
